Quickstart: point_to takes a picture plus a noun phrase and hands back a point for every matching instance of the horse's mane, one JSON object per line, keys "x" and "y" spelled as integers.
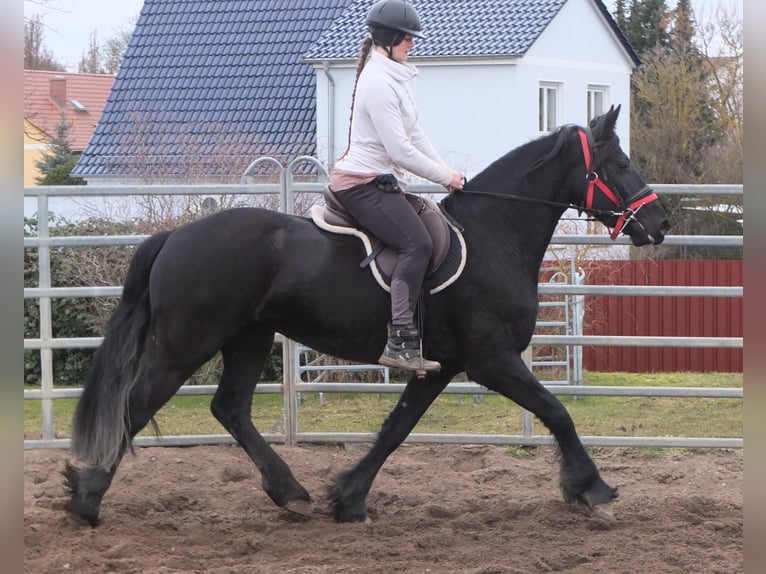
{"x": 603, "y": 145}
{"x": 527, "y": 155}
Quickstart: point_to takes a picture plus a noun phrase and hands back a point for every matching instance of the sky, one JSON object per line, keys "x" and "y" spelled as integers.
{"x": 69, "y": 23}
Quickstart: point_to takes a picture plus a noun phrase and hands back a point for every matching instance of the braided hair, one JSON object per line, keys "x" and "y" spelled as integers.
{"x": 364, "y": 54}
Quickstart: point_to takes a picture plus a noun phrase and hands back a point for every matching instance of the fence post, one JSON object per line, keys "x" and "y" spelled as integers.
{"x": 527, "y": 418}
{"x": 289, "y": 394}
{"x": 46, "y": 319}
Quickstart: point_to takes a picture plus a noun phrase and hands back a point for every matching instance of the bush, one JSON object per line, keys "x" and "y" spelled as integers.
{"x": 87, "y": 316}
{"x": 72, "y": 317}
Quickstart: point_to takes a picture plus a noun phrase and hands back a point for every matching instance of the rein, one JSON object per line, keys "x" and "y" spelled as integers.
{"x": 535, "y": 200}
{"x": 629, "y": 207}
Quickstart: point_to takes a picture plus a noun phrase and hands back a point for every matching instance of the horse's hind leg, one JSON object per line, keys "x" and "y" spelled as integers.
{"x": 88, "y": 484}
{"x": 244, "y": 357}
{"x": 349, "y": 493}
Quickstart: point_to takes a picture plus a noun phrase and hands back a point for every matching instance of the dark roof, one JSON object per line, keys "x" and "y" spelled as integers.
{"x": 207, "y": 86}
{"x": 457, "y": 28}
{"x": 452, "y": 28}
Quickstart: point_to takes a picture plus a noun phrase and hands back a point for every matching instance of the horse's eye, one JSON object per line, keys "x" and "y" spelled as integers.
{"x": 623, "y": 164}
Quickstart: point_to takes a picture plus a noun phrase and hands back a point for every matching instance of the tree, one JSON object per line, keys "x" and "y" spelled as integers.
{"x": 647, "y": 25}
{"x": 721, "y": 48}
{"x": 58, "y": 160}
{"x": 36, "y": 55}
{"x": 90, "y": 61}
{"x": 681, "y": 128}
{"x": 686, "y": 118}
{"x": 683, "y": 27}
{"x": 620, "y": 14}
{"x": 114, "y": 50}
{"x": 672, "y": 121}
{"x": 106, "y": 59}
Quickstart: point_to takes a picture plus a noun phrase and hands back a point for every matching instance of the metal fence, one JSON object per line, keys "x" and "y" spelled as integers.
{"x": 292, "y": 386}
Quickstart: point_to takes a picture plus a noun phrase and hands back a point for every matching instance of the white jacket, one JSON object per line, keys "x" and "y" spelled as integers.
{"x": 386, "y": 136}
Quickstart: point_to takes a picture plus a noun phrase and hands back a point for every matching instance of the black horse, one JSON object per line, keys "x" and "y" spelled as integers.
{"x": 230, "y": 281}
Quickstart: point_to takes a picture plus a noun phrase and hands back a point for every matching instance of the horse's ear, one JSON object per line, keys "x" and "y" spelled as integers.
{"x": 603, "y": 126}
{"x": 610, "y": 118}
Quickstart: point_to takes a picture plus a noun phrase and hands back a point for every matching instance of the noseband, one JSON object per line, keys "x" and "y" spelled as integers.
{"x": 629, "y": 206}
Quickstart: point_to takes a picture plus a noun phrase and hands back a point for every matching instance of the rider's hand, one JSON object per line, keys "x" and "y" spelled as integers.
{"x": 457, "y": 180}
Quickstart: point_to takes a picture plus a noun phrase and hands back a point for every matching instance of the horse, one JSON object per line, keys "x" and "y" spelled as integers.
{"x": 231, "y": 280}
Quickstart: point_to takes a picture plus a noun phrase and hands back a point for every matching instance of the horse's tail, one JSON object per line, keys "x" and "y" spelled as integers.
{"x": 101, "y": 425}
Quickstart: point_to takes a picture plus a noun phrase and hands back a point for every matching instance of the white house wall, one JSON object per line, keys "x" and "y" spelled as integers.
{"x": 578, "y": 49}
{"x": 469, "y": 111}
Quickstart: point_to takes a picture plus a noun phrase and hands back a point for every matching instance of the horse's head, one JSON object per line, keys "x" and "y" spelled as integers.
{"x": 616, "y": 193}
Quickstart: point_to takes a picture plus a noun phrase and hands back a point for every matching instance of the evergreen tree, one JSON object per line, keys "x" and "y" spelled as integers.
{"x": 620, "y": 14}
{"x": 683, "y": 27}
{"x": 58, "y": 159}
{"x": 647, "y": 25}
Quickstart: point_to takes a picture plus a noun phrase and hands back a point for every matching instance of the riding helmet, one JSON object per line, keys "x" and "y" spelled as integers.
{"x": 397, "y": 15}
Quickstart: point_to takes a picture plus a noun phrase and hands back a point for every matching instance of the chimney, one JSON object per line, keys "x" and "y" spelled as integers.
{"x": 58, "y": 91}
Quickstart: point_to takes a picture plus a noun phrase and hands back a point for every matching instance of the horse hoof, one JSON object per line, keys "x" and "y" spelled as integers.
{"x": 605, "y": 512}
{"x": 302, "y": 507}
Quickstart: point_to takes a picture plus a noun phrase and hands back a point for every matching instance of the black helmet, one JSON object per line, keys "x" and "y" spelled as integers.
{"x": 397, "y": 15}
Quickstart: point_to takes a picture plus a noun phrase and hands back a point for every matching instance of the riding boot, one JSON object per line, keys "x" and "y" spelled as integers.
{"x": 403, "y": 350}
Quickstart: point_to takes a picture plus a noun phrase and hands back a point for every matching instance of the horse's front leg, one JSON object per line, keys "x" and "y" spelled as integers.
{"x": 580, "y": 480}
{"x": 348, "y": 495}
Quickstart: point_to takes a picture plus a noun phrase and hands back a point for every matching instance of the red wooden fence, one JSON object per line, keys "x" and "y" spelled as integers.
{"x": 663, "y": 316}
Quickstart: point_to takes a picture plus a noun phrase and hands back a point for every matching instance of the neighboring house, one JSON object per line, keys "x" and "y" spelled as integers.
{"x": 493, "y": 73}
{"x": 208, "y": 86}
{"x": 51, "y": 98}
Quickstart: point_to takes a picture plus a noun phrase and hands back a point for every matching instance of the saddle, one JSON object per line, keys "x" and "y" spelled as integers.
{"x": 448, "y": 256}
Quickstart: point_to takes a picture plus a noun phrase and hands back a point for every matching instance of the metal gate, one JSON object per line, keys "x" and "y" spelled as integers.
{"x": 292, "y": 385}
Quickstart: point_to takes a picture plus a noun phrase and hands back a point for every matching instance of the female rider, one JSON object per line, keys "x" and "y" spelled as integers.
{"x": 385, "y": 142}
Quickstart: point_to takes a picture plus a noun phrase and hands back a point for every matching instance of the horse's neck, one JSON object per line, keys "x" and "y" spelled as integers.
{"x": 518, "y": 231}
{"x": 512, "y": 219}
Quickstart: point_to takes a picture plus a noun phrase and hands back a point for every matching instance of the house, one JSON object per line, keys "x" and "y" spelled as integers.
{"x": 493, "y": 74}
{"x": 51, "y": 98}
{"x": 207, "y": 86}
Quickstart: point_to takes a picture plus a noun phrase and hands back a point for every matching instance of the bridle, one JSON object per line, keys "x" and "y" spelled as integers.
{"x": 629, "y": 207}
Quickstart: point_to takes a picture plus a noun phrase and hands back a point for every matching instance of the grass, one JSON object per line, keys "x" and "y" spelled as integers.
{"x": 347, "y": 412}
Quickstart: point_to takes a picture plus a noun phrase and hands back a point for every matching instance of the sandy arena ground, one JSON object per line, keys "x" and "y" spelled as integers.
{"x": 435, "y": 508}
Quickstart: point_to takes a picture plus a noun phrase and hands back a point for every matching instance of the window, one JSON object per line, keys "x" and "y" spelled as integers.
{"x": 548, "y": 107}
{"x": 597, "y": 101}
{"x": 78, "y": 106}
